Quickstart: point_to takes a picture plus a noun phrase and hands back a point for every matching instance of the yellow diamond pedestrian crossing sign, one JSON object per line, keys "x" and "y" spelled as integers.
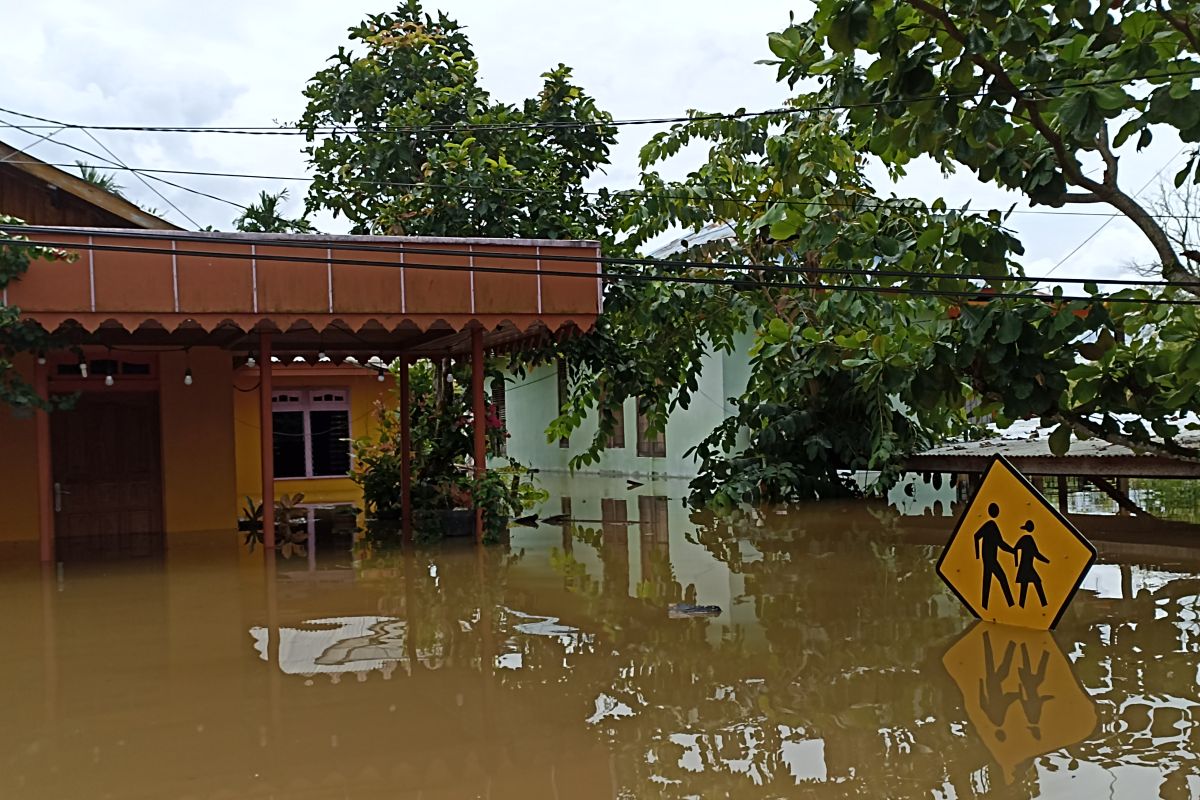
{"x": 1013, "y": 558}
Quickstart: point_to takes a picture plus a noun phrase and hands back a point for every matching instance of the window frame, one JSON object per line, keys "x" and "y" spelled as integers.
{"x": 303, "y": 402}
{"x": 647, "y": 447}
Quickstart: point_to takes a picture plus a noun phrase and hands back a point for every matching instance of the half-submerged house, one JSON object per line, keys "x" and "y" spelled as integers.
{"x": 181, "y": 348}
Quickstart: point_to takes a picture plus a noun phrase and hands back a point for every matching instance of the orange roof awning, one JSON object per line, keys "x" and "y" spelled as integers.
{"x": 344, "y": 295}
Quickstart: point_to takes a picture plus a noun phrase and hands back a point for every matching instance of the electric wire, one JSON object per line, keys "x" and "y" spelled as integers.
{"x": 479, "y": 251}
{"x": 738, "y": 284}
{"x": 1106, "y": 223}
{"x": 619, "y": 193}
{"x": 139, "y": 176}
{"x": 1048, "y": 86}
{"x": 115, "y": 166}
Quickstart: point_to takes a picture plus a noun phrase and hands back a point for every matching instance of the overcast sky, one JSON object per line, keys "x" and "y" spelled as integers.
{"x": 245, "y": 63}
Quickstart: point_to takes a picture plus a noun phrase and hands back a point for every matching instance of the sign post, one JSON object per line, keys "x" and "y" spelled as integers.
{"x": 1013, "y": 558}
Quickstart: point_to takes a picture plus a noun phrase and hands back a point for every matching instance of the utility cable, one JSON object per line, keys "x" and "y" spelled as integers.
{"x": 145, "y": 182}
{"x": 115, "y": 166}
{"x": 738, "y": 284}
{"x": 619, "y": 193}
{"x": 25, "y": 151}
{"x": 1105, "y": 224}
{"x": 480, "y": 251}
{"x": 555, "y": 124}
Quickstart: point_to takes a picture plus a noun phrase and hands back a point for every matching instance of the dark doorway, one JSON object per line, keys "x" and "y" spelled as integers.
{"x": 107, "y": 477}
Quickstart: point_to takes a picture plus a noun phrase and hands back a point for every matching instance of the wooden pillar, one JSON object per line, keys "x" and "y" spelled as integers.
{"x": 406, "y": 517}
{"x": 267, "y": 444}
{"x": 1062, "y": 493}
{"x": 480, "y": 418}
{"x": 45, "y": 469}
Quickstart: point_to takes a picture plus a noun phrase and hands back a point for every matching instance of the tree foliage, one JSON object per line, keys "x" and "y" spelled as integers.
{"x": 404, "y": 139}
{"x": 878, "y": 320}
{"x": 20, "y": 336}
{"x": 266, "y": 216}
{"x": 1025, "y": 95}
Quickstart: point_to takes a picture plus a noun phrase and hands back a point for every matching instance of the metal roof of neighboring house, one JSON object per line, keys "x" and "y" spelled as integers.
{"x": 1031, "y": 454}
{"x": 709, "y": 233}
{"x": 108, "y": 202}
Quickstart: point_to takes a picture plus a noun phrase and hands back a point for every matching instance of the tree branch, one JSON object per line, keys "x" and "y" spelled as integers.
{"x": 1086, "y": 427}
{"x": 1179, "y": 25}
{"x": 1070, "y": 166}
{"x": 1172, "y": 269}
{"x": 1110, "y": 160}
{"x": 1082, "y": 197}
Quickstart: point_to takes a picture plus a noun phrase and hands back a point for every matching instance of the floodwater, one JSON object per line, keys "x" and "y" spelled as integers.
{"x": 838, "y": 666}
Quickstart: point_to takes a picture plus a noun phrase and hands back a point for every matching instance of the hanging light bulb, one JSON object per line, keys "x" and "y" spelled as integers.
{"x": 322, "y": 357}
{"x": 109, "y": 380}
{"x": 382, "y": 378}
{"x": 83, "y": 369}
{"x": 41, "y": 361}
{"x": 250, "y": 362}
{"x": 187, "y": 377}
{"x": 187, "y": 363}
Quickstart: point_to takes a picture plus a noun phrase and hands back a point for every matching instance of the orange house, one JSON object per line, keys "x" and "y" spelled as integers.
{"x": 185, "y": 351}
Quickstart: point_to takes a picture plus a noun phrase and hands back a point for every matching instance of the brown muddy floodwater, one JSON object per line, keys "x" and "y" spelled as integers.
{"x": 838, "y": 667}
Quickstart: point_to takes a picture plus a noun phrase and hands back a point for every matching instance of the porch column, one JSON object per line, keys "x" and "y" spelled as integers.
{"x": 406, "y": 520}
{"x": 480, "y": 418}
{"x": 45, "y": 469}
{"x": 266, "y": 424}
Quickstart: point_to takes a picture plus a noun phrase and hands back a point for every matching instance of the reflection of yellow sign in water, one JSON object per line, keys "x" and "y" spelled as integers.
{"x": 1019, "y": 692}
{"x": 1013, "y": 558}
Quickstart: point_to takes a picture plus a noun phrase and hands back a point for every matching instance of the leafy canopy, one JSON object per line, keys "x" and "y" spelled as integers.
{"x": 404, "y": 139}
{"x": 877, "y": 321}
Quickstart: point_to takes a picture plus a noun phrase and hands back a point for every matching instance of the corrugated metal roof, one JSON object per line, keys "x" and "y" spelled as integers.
{"x": 1037, "y": 445}
{"x": 709, "y": 233}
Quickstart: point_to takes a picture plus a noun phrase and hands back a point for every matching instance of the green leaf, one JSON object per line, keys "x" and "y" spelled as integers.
{"x": 778, "y": 330}
{"x": 1060, "y": 440}
{"x": 1010, "y": 329}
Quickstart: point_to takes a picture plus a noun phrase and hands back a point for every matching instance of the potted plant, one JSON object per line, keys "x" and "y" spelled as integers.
{"x": 445, "y": 491}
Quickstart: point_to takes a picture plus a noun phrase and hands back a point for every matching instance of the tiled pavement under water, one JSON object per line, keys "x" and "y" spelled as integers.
{"x": 839, "y": 666}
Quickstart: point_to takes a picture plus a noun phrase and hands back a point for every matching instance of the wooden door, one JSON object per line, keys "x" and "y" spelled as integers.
{"x": 108, "y": 481}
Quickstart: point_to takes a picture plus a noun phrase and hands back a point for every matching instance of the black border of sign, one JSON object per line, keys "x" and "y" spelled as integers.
{"x": 1006, "y": 464}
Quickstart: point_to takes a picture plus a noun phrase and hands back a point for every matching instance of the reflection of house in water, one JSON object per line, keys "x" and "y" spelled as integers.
{"x": 343, "y": 644}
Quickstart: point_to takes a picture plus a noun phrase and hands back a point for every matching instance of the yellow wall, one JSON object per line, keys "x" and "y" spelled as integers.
{"x": 197, "y": 450}
{"x": 197, "y": 441}
{"x": 365, "y": 389}
{"x": 18, "y": 472}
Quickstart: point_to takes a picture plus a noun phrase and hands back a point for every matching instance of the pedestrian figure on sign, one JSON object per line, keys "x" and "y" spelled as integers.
{"x": 994, "y": 701}
{"x": 989, "y": 541}
{"x": 1026, "y": 554}
{"x": 1032, "y": 699}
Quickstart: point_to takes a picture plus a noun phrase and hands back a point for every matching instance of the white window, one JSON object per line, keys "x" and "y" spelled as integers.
{"x": 312, "y": 432}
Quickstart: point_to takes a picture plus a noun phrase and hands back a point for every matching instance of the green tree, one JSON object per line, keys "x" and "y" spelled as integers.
{"x": 19, "y": 336}
{"x": 1021, "y": 94}
{"x": 266, "y": 216}
{"x": 876, "y": 319}
{"x": 97, "y": 178}
{"x": 404, "y": 139}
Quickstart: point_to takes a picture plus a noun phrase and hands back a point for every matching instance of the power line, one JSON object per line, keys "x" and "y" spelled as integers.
{"x": 884, "y": 202}
{"x": 295, "y": 130}
{"x": 138, "y": 175}
{"x": 24, "y": 152}
{"x": 116, "y": 166}
{"x": 402, "y": 249}
{"x": 740, "y": 284}
{"x": 1106, "y": 223}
